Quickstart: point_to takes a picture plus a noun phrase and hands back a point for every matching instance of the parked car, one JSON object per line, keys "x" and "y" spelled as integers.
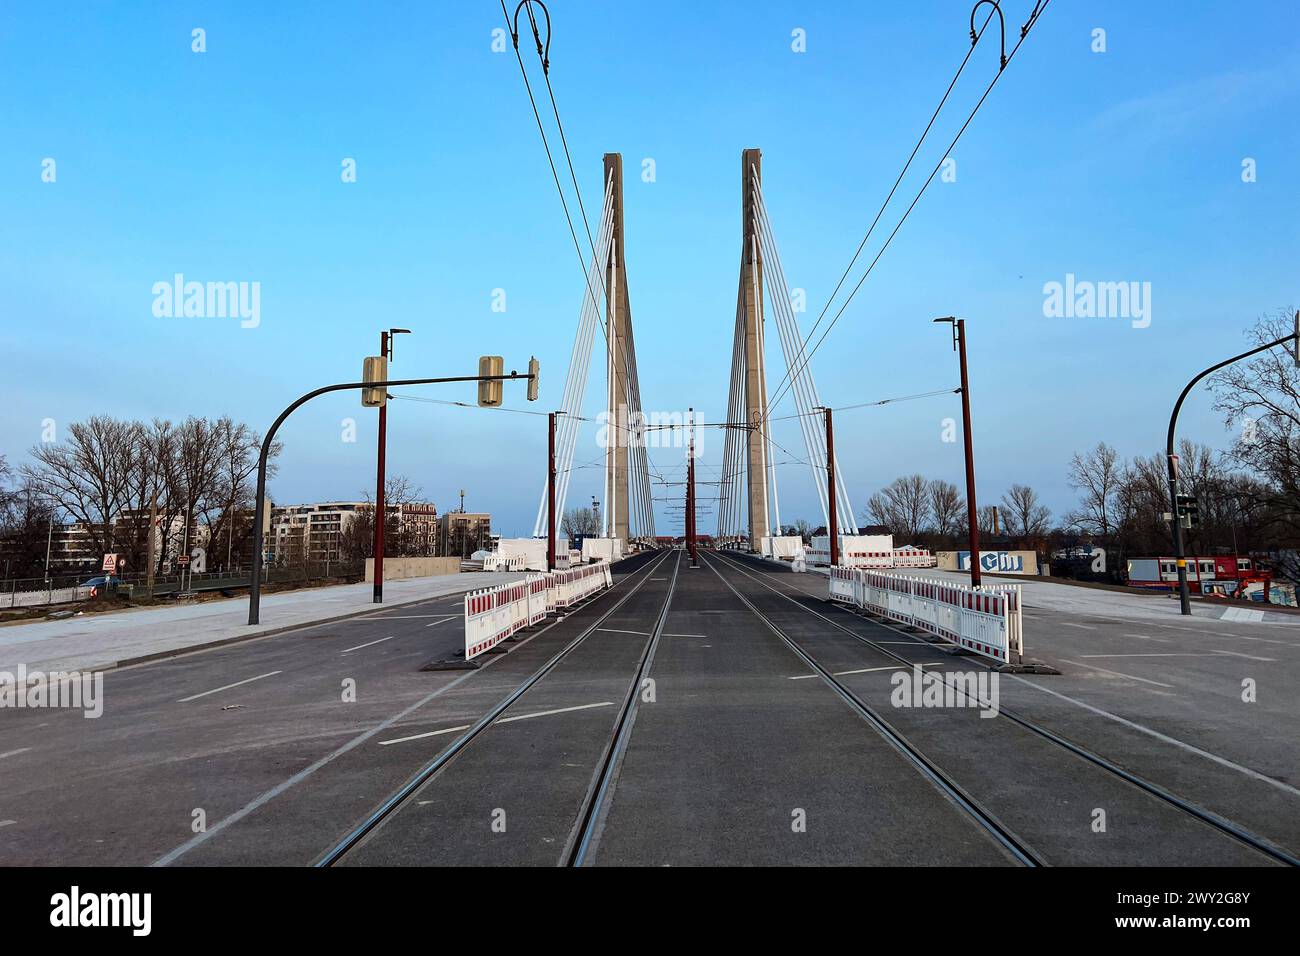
{"x": 98, "y": 584}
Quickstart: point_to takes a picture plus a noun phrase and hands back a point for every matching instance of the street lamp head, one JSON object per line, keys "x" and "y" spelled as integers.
{"x": 953, "y": 321}
{"x": 388, "y": 341}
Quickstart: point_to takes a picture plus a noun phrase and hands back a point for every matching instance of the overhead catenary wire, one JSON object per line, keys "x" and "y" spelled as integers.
{"x": 1039, "y": 7}
{"x": 637, "y": 460}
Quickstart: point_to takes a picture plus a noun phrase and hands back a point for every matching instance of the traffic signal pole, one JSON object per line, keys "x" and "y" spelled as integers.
{"x": 381, "y": 513}
{"x": 1184, "y": 598}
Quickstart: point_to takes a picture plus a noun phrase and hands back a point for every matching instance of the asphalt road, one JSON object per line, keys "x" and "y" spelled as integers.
{"x": 737, "y": 754}
{"x": 254, "y": 743}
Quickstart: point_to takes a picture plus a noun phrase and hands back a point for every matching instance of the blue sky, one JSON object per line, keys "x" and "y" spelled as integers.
{"x": 225, "y": 166}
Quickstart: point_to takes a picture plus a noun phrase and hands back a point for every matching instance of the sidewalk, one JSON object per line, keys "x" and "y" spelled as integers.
{"x": 111, "y": 639}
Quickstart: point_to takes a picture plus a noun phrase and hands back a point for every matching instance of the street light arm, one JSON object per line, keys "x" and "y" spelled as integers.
{"x": 1173, "y": 419}
{"x": 259, "y": 506}
{"x": 1185, "y": 605}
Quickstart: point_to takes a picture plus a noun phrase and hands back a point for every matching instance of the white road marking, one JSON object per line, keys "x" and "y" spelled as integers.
{"x": 5, "y": 823}
{"x": 1085, "y": 627}
{"x": 1249, "y": 657}
{"x": 562, "y": 710}
{"x": 1148, "y": 637}
{"x": 371, "y": 644}
{"x": 266, "y": 797}
{"x": 614, "y": 630}
{"x": 867, "y": 670}
{"x": 432, "y": 733}
{"x": 917, "y": 643}
{"x": 503, "y": 720}
{"x": 1102, "y": 670}
{"x": 1190, "y": 748}
{"x": 403, "y": 617}
{"x": 686, "y": 635}
{"x": 454, "y": 617}
{"x": 217, "y": 690}
{"x": 15, "y": 753}
{"x": 1170, "y": 654}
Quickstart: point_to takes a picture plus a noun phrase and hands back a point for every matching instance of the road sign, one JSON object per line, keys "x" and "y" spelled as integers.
{"x": 183, "y": 560}
{"x": 110, "y": 563}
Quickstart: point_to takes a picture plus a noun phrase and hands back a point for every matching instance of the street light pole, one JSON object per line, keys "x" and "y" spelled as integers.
{"x": 832, "y": 518}
{"x": 259, "y": 513}
{"x": 972, "y": 509}
{"x": 550, "y": 495}
{"x": 1184, "y": 599}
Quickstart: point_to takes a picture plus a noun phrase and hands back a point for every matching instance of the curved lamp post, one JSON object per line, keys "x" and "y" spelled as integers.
{"x": 259, "y": 514}
{"x": 1185, "y": 604}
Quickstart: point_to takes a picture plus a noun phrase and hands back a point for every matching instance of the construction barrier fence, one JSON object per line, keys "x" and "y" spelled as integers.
{"x": 985, "y": 620}
{"x": 494, "y": 614}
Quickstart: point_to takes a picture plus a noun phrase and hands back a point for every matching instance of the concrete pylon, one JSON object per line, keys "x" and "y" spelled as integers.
{"x": 751, "y": 290}
{"x": 619, "y": 311}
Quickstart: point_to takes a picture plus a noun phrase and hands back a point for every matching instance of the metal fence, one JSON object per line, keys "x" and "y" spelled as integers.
{"x": 66, "y": 589}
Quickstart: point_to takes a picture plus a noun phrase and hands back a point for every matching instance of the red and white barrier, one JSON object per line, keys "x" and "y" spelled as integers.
{"x": 914, "y": 558}
{"x": 494, "y": 614}
{"x": 985, "y": 621}
{"x": 497, "y": 561}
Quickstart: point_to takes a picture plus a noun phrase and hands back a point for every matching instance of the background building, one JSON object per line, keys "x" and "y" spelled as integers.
{"x": 461, "y": 533}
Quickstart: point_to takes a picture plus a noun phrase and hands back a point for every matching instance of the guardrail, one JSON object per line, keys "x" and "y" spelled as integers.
{"x": 494, "y": 614}
{"x": 985, "y": 621}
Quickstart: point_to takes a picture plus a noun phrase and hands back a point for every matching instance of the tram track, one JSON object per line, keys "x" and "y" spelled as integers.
{"x": 998, "y": 831}
{"x": 1184, "y": 806}
{"x": 402, "y": 796}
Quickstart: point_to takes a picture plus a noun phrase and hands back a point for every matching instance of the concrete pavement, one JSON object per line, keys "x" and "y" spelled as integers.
{"x": 97, "y": 641}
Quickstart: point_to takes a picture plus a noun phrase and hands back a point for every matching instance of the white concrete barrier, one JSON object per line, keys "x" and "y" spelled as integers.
{"x": 985, "y": 621}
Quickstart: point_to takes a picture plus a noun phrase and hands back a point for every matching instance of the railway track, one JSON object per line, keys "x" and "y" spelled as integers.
{"x": 590, "y": 812}
{"x": 982, "y": 816}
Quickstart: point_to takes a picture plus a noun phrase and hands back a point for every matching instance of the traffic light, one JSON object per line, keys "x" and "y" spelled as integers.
{"x": 490, "y": 393}
{"x": 374, "y": 369}
{"x": 1188, "y": 511}
{"x": 534, "y": 369}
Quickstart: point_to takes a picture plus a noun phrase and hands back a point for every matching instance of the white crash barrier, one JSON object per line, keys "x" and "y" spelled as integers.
{"x": 914, "y": 558}
{"x": 856, "y": 550}
{"x": 985, "y": 621}
{"x": 494, "y": 614}
{"x": 504, "y": 562}
{"x": 567, "y": 559}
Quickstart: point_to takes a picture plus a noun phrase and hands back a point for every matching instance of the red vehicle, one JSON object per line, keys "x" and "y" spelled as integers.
{"x": 1220, "y": 576}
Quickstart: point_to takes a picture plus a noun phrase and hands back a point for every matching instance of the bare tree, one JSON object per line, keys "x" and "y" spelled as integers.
{"x": 903, "y": 506}
{"x": 1098, "y": 475}
{"x": 946, "y": 508}
{"x": 86, "y": 476}
{"x": 580, "y": 521}
{"x": 1025, "y": 516}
